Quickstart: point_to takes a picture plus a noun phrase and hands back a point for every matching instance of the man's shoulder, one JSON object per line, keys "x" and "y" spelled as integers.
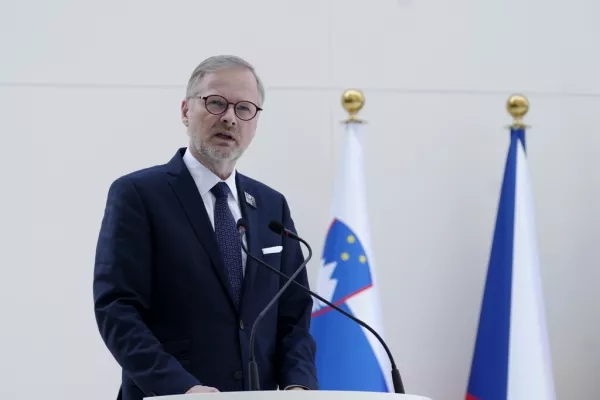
{"x": 140, "y": 180}
{"x": 258, "y": 188}
{"x": 152, "y": 174}
{"x": 142, "y": 176}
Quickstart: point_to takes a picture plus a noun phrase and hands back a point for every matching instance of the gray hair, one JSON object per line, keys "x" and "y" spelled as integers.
{"x": 216, "y": 63}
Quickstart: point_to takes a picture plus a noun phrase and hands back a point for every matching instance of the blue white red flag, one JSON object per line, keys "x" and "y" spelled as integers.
{"x": 511, "y": 360}
{"x": 348, "y": 356}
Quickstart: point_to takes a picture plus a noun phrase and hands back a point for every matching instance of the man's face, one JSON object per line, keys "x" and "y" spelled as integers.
{"x": 222, "y": 137}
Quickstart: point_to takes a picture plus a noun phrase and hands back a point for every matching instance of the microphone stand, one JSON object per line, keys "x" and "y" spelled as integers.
{"x": 396, "y": 378}
{"x": 254, "y": 380}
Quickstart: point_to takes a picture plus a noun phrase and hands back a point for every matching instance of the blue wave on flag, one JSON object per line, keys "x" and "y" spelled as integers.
{"x": 345, "y": 359}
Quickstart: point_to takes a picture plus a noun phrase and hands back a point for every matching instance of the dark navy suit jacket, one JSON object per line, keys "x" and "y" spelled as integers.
{"x": 162, "y": 299}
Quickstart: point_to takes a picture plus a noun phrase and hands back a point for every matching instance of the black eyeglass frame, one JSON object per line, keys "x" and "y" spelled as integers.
{"x": 228, "y": 103}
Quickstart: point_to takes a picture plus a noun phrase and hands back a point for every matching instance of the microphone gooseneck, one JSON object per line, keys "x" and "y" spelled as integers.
{"x": 254, "y": 379}
{"x": 279, "y": 229}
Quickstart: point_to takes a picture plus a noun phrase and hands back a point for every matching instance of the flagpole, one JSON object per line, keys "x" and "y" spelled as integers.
{"x": 353, "y": 356}
{"x": 511, "y": 358}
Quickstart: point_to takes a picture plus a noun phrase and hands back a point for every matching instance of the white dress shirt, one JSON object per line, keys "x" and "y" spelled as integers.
{"x": 205, "y": 179}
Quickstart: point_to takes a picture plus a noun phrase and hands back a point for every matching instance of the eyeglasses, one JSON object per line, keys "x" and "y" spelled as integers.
{"x": 215, "y": 104}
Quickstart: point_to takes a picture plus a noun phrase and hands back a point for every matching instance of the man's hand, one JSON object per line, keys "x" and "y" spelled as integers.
{"x": 201, "y": 389}
{"x": 296, "y": 388}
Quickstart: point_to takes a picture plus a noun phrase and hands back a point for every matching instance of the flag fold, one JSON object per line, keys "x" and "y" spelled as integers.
{"x": 511, "y": 360}
{"x": 348, "y": 356}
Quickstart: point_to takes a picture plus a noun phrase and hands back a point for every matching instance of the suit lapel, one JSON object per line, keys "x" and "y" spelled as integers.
{"x": 249, "y": 206}
{"x": 186, "y": 190}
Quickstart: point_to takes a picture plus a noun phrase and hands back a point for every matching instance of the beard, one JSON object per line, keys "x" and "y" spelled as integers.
{"x": 216, "y": 154}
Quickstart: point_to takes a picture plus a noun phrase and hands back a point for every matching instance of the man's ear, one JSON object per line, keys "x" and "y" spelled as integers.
{"x": 184, "y": 112}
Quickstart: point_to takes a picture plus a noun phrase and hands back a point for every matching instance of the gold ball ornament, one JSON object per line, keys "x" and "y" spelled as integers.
{"x": 517, "y": 106}
{"x": 352, "y": 101}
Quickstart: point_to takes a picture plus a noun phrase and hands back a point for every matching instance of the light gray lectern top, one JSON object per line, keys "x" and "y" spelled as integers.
{"x": 292, "y": 395}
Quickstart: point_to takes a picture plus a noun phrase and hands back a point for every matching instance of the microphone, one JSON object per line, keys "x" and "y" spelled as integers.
{"x": 254, "y": 381}
{"x": 279, "y": 229}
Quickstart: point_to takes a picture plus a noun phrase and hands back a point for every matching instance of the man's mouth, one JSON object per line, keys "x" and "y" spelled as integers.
{"x": 225, "y": 136}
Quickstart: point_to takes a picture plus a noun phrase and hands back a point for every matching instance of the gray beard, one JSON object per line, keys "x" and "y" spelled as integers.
{"x": 215, "y": 154}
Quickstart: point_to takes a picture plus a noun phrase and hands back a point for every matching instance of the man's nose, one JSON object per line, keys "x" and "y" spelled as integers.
{"x": 229, "y": 117}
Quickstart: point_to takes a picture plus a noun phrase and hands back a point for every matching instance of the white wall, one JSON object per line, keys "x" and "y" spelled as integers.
{"x": 91, "y": 90}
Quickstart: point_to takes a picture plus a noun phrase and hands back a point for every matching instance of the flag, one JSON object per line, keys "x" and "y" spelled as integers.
{"x": 511, "y": 360}
{"x": 348, "y": 356}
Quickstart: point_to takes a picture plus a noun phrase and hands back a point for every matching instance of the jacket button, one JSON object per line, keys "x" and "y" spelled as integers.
{"x": 241, "y": 324}
{"x": 238, "y": 375}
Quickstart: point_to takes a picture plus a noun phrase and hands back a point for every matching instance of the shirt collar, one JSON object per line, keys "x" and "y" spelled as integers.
{"x": 205, "y": 179}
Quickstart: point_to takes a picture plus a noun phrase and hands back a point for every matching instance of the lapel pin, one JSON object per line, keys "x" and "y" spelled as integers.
{"x": 250, "y": 200}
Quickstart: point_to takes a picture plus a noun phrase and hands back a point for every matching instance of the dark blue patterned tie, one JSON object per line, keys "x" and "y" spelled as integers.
{"x": 228, "y": 239}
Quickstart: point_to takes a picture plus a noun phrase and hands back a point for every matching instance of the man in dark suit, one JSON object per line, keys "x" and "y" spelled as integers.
{"x": 175, "y": 296}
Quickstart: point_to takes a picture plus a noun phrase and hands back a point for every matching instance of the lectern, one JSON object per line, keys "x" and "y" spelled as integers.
{"x": 292, "y": 395}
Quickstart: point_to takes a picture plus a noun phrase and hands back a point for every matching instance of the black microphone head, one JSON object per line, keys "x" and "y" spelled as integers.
{"x": 276, "y": 227}
{"x": 242, "y": 224}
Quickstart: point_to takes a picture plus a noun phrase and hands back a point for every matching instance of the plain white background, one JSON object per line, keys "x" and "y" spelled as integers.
{"x": 91, "y": 90}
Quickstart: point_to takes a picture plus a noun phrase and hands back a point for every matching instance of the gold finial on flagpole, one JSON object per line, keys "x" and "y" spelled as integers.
{"x": 352, "y": 101}
{"x": 517, "y": 106}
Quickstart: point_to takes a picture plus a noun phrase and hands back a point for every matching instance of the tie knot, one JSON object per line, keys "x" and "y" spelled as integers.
{"x": 220, "y": 190}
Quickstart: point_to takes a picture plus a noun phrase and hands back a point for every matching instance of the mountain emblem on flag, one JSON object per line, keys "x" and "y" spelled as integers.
{"x": 345, "y": 256}
{"x": 348, "y": 274}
